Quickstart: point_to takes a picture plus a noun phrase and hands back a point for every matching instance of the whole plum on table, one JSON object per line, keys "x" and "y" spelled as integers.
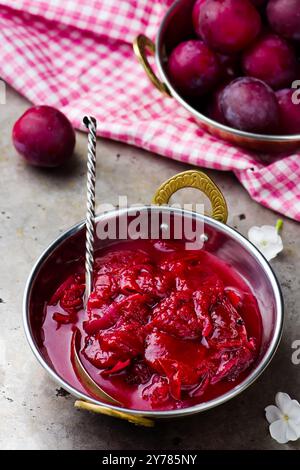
{"x": 272, "y": 60}
{"x": 44, "y": 137}
{"x": 289, "y": 112}
{"x": 193, "y": 68}
{"x": 284, "y": 18}
{"x": 250, "y": 105}
{"x": 228, "y": 26}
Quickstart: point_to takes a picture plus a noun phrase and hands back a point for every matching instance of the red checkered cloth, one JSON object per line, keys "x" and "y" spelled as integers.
{"x": 77, "y": 55}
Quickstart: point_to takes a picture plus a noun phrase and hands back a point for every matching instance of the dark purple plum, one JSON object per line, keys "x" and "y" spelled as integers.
{"x": 272, "y": 60}
{"x": 259, "y": 3}
{"x": 193, "y": 68}
{"x": 284, "y": 18}
{"x": 214, "y": 109}
{"x": 249, "y": 104}
{"x": 44, "y": 137}
{"x": 195, "y": 16}
{"x": 289, "y": 108}
{"x": 231, "y": 67}
{"x": 228, "y": 26}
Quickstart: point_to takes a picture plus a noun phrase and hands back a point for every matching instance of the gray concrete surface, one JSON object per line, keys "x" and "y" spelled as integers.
{"x": 35, "y": 206}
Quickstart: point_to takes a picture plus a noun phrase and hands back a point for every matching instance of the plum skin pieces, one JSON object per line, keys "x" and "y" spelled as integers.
{"x": 160, "y": 325}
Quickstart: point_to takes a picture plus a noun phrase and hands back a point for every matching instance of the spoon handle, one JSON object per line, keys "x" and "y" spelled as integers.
{"x": 91, "y": 124}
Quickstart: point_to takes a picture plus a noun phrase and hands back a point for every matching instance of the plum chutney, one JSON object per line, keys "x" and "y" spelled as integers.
{"x": 165, "y": 328}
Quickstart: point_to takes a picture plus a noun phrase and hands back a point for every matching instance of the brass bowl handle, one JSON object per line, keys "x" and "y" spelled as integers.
{"x": 135, "y": 419}
{"x": 194, "y": 179}
{"x": 141, "y": 45}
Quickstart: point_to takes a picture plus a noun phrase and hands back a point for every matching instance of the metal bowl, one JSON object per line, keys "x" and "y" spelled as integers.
{"x": 177, "y": 26}
{"x": 222, "y": 240}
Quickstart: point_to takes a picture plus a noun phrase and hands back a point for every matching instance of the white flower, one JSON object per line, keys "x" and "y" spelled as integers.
{"x": 267, "y": 240}
{"x": 284, "y": 418}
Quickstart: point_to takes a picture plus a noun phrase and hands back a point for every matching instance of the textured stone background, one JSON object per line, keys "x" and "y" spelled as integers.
{"x": 35, "y": 206}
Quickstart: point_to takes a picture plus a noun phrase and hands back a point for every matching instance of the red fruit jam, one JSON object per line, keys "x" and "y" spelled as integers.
{"x": 165, "y": 328}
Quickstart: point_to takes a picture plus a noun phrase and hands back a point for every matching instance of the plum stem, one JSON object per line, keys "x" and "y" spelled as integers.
{"x": 279, "y": 225}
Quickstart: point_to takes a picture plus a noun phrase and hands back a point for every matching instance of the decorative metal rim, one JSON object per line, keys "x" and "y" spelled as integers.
{"x": 265, "y": 360}
{"x": 198, "y": 180}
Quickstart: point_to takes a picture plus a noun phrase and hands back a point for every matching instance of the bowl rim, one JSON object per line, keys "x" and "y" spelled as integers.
{"x": 222, "y": 127}
{"x": 255, "y": 373}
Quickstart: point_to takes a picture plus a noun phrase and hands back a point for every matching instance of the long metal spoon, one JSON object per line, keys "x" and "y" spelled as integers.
{"x": 84, "y": 376}
{"x": 91, "y": 123}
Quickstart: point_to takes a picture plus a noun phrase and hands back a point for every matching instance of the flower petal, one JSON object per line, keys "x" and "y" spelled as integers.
{"x": 267, "y": 240}
{"x": 255, "y": 235}
{"x": 293, "y": 431}
{"x": 273, "y": 413}
{"x": 270, "y": 250}
{"x": 283, "y": 400}
{"x": 293, "y": 411}
{"x": 270, "y": 233}
{"x": 278, "y": 431}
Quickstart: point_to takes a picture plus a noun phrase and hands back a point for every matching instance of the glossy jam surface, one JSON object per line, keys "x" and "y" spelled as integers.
{"x": 165, "y": 328}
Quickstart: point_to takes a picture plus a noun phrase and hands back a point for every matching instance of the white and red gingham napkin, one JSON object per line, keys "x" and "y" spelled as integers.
{"x": 77, "y": 55}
